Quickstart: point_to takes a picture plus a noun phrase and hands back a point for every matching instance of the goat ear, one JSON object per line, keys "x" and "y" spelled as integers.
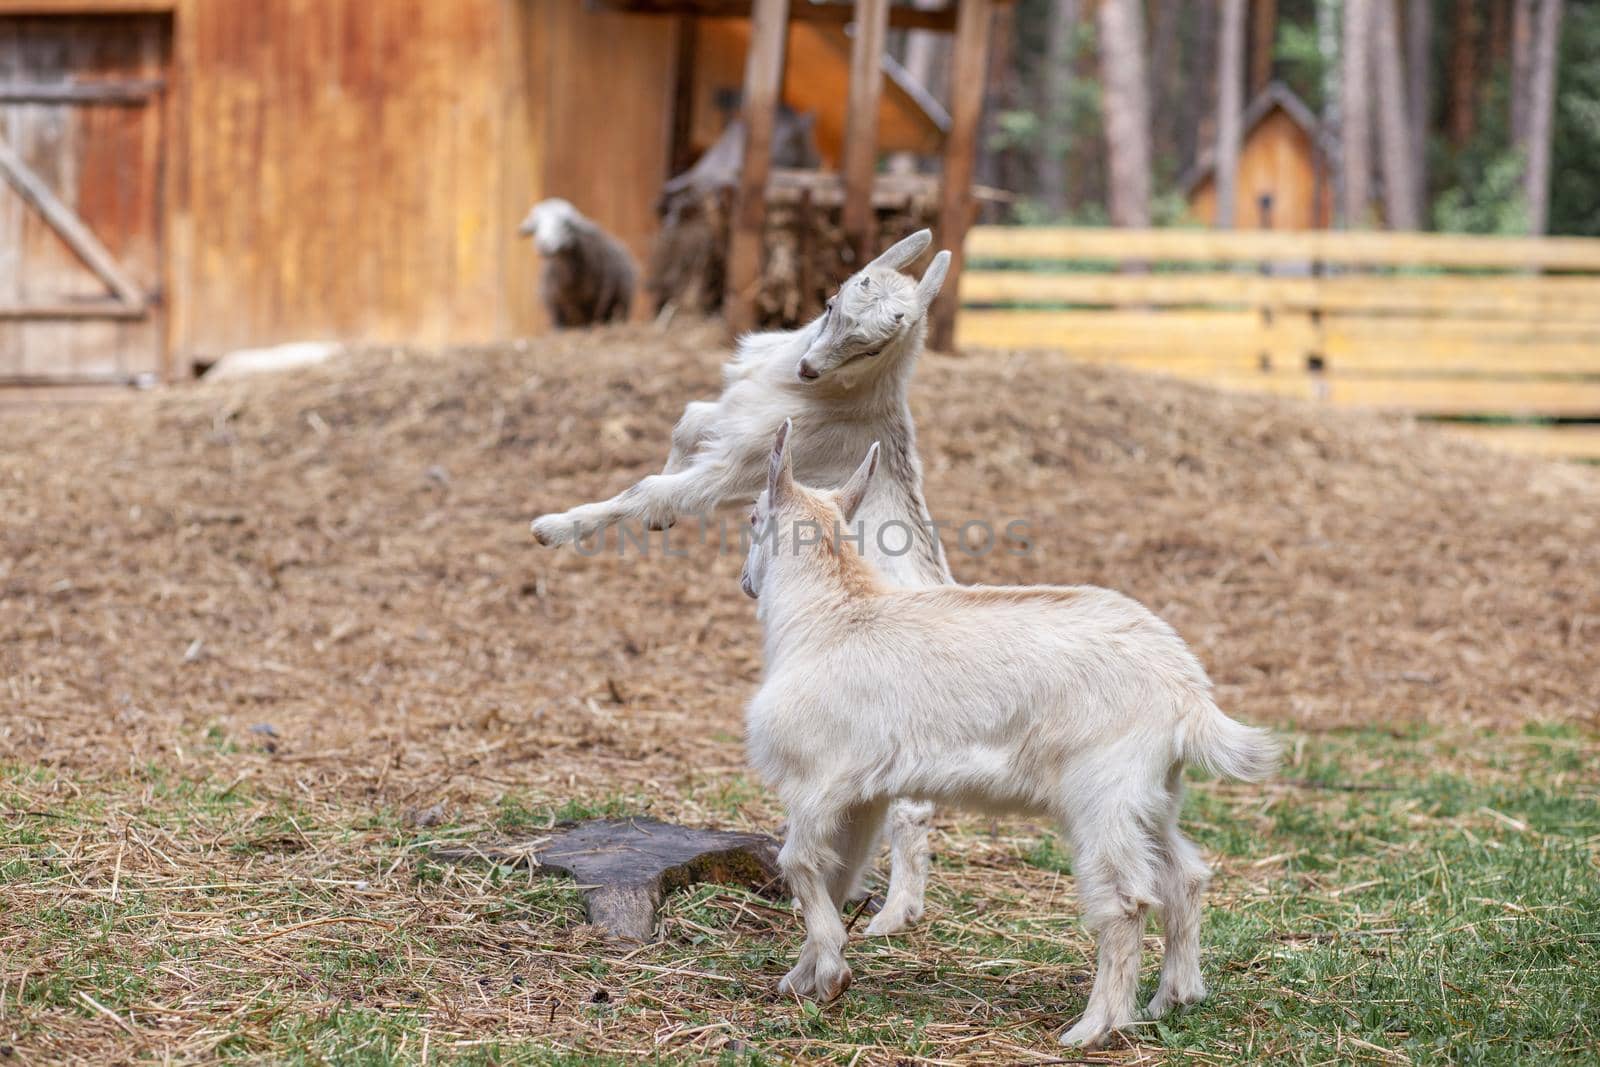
{"x": 780, "y": 477}
{"x": 933, "y": 280}
{"x": 852, "y": 492}
{"x": 905, "y": 251}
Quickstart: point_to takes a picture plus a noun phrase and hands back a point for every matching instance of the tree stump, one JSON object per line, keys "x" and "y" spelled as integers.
{"x": 625, "y": 867}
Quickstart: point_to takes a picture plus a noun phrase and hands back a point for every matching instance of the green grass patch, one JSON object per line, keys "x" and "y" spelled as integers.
{"x": 1396, "y": 896}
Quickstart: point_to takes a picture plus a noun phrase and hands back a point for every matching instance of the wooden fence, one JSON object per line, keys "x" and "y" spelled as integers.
{"x": 1498, "y": 336}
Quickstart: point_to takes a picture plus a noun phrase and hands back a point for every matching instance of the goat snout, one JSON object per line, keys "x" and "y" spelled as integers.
{"x": 807, "y": 372}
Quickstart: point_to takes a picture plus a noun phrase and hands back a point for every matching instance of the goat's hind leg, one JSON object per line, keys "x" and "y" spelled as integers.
{"x": 855, "y": 842}
{"x": 909, "y": 822}
{"x": 1116, "y": 865}
{"x": 1181, "y": 885}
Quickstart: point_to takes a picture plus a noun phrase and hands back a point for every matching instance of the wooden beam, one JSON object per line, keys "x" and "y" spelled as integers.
{"x": 838, "y": 12}
{"x": 763, "y": 84}
{"x": 108, "y": 309}
{"x": 128, "y": 92}
{"x": 680, "y": 152}
{"x": 87, "y": 7}
{"x": 861, "y": 125}
{"x": 968, "y": 58}
{"x": 71, "y": 229}
{"x": 178, "y": 122}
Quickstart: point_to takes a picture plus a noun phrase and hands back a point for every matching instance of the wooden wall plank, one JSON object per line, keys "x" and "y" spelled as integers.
{"x": 343, "y": 171}
{"x": 608, "y": 126}
{"x": 83, "y": 196}
{"x": 357, "y": 170}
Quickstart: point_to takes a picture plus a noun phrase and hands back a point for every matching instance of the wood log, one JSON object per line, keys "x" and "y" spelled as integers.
{"x": 626, "y": 867}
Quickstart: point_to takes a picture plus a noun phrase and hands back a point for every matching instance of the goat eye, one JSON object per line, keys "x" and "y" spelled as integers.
{"x": 899, "y": 317}
{"x": 866, "y": 283}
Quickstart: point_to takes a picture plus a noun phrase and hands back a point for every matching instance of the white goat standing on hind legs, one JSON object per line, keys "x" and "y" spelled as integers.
{"x": 843, "y": 380}
{"x": 1075, "y": 703}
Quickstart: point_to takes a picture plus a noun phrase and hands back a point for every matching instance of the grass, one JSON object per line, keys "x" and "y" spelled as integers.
{"x": 1396, "y": 899}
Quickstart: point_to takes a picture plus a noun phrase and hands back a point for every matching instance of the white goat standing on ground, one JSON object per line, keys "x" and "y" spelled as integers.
{"x": 1075, "y": 703}
{"x": 588, "y": 276}
{"x": 843, "y": 380}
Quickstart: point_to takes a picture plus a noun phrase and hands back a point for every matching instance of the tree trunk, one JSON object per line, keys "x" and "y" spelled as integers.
{"x": 1055, "y": 86}
{"x": 1462, "y": 120}
{"x": 1328, "y": 34}
{"x": 1419, "y": 95}
{"x": 1499, "y": 36}
{"x": 1196, "y": 111}
{"x": 1541, "y": 113}
{"x": 1166, "y": 78}
{"x": 1523, "y": 16}
{"x": 1263, "y": 35}
{"x": 1394, "y": 120}
{"x": 1230, "y": 110}
{"x": 1355, "y": 162}
{"x": 1127, "y": 111}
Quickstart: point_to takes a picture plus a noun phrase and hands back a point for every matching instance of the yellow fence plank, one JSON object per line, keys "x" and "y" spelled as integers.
{"x": 1578, "y": 441}
{"x": 1416, "y": 340}
{"x": 1171, "y": 332}
{"x": 1432, "y": 396}
{"x": 1573, "y": 298}
{"x": 1069, "y": 244}
{"x": 1346, "y": 344}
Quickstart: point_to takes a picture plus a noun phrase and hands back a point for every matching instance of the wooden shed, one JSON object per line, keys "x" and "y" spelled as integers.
{"x": 1284, "y": 177}
{"x": 180, "y": 178}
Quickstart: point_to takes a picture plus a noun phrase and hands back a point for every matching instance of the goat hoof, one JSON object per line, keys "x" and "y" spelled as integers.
{"x": 819, "y": 979}
{"x": 1089, "y": 1033}
{"x": 1173, "y": 996}
{"x": 548, "y": 530}
{"x": 895, "y": 917}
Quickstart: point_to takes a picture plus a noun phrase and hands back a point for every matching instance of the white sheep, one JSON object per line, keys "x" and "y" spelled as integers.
{"x": 843, "y": 380}
{"x": 588, "y": 275}
{"x": 1073, "y": 703}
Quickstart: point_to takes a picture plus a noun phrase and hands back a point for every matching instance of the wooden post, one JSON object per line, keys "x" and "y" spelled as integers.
{"x": 968, "y": 55}
{"x": 763, "y": 84}
{"x": 861, "y": 126}
{"x": 680, "y": 153}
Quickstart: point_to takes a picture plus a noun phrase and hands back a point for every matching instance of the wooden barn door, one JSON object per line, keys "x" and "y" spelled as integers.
{"x": 81, "y": 140}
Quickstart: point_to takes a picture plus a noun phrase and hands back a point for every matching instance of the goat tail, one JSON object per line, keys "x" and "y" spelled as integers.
{"x": 1226, "y": 747}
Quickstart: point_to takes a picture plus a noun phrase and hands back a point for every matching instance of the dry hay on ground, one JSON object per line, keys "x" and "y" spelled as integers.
{"x": 345, "y": 553}
{"x": 343, "y": 556}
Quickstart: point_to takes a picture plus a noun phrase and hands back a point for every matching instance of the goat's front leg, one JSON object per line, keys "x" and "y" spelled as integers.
{"x": 690, "y": 433}
{"x": 657, "y": 501}
{"x": 809, "y": 861}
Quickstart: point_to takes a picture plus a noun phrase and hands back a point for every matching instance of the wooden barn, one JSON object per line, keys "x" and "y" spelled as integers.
{"x": 181, "y": 178}
{"x": 1284, "y": 176}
